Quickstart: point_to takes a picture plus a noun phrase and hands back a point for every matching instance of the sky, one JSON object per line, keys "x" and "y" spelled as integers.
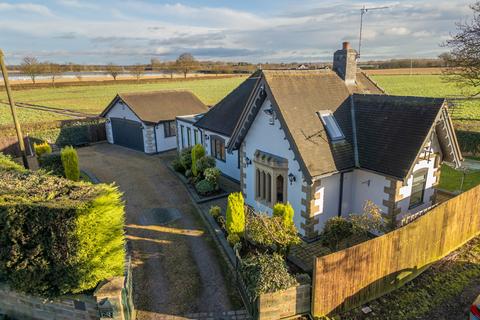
{"x": 134, "y": 31}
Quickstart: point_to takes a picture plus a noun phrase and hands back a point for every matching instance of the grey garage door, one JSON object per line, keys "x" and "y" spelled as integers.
{"x": 127, "y": 133}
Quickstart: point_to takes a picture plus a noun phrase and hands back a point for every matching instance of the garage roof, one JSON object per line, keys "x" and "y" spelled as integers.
{"x": 158, "y": 106}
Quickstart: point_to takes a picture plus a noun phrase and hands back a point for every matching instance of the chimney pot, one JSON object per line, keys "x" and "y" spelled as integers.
{"x": 346, "y": 45}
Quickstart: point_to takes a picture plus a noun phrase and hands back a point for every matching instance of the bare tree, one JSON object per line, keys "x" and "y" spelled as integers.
{"x": 31, "y": 67}
{"x": 54, "y": 70}
{"x": 137, "y": 71}
{"x": 185, "y": 63}
{"x": 464, "y": 60}
{"x": 113, "y": 70}
{"x": 77, "y": 68}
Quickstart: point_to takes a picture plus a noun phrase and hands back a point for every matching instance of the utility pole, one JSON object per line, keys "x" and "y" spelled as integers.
{"x": 14, "y": 113}
{"x": 363, "y": 11}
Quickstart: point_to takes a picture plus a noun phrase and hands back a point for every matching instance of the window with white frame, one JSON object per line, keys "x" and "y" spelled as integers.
{"x": 217, "y": 145}
{"x": 189, "y": 139}
{"x": 331, "y": 125}
{"x": 182, "y": 136}
{"x": 170, "y": 129}
{"x": 418, "y": 188}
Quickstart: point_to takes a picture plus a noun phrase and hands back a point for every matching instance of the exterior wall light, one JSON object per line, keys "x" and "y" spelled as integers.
{"x": 291, "y": 178}
{"x": 248, "y": 161}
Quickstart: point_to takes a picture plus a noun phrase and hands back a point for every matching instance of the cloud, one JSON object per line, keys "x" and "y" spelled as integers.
{"x": 130, "y": 30}
{"x": 27, "y": 8}
{"x": 77, "y": 4}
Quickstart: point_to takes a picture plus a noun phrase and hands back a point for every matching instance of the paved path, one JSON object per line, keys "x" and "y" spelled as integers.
{"x": 176, "y": 267}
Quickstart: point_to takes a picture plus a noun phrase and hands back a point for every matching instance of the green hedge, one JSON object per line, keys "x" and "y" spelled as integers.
{"x": 58, "y": 236}
{"x": 469, "y": 142}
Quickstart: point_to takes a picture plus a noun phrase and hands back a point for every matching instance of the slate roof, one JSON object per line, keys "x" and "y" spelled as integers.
{"x": 158, "y": 106}
{"x": 390, "y": 130}
{"x": 223, "y": 117}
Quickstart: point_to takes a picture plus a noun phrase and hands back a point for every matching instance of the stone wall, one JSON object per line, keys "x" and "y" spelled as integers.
{"x": 21, "y": 306}
{"x": 106, "y": 302}
{"x": 284, "y": 304}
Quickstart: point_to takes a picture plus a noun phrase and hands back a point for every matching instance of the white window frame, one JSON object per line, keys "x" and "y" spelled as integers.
{"x": 331, "y": 125}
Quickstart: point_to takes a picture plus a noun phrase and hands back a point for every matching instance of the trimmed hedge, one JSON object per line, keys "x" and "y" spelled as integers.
{"x": 52, "y": 163}
{"x": 58, "y": 236}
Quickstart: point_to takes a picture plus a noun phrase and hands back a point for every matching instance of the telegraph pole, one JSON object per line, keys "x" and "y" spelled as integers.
{"x": 13, "y": 110}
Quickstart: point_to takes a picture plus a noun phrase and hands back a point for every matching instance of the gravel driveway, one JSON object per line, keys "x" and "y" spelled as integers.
{"x": 177, "y": 269}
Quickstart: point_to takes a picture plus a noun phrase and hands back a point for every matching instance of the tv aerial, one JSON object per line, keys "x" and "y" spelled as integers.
{"x": 363, "y": 11}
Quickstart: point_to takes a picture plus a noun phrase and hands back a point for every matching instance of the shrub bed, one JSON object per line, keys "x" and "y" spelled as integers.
{"x": 58, "y": 236}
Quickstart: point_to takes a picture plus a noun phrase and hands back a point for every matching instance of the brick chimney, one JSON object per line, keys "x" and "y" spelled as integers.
{"x": 345, "y": 63}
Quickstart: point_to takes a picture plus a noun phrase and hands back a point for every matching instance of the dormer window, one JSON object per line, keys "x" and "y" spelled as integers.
{"x": 331, "y": 125}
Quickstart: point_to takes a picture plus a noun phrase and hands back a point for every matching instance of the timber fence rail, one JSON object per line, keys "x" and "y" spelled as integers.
{"x": 354, "y": 276}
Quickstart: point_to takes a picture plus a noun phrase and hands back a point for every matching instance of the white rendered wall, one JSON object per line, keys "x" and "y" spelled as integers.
{"x": 186, "y": 125}
{"x": 271, "y": 139}
{"x": 164, "y": 143}
{"x": 367, "y": 186}
{"x": 406, "y": 190}
{"x": 327, "y": 197}
{"x": 122, "y": 111}
{"x": 228, "y": 167}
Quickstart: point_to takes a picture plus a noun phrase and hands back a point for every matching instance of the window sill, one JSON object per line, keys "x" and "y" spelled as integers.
{"x": 413, "y": 206}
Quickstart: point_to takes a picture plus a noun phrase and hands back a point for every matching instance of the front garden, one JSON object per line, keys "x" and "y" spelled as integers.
{"x": 198, "y": 170}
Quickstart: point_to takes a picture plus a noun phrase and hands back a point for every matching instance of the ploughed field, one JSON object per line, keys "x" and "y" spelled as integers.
{"x": 93, "y": 99}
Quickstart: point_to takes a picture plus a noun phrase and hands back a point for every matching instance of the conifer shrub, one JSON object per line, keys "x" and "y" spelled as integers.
{"x": 212, "y": 175}
{"x": 285, "y": 212}
{"x": 58, "y": 236}
{"x": 42, "y": 148}
{"x": 235, "y": 214}
{"x": 70, "y": 163}
{"x": 177, "y": 166}
{"x": 186, "y": 158}
{"x": 52, "y": 163}
{"x": 198, "y": 152}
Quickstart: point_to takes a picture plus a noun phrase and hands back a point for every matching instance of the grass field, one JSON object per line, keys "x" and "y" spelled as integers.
{"x": 451, "y": 179}
{"x": 431, "y": 86}
{"x": 93, "y": 99}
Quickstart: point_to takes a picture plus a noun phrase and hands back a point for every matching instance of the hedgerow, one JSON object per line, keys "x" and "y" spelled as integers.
{"x": 58, "y": 236}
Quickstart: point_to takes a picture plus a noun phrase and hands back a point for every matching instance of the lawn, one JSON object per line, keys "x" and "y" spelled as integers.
{"x": 445, "y": 291}
{"x": 431, "y": 86}
{"x": 93, "y": 99}
{"x": 451, "y": 179}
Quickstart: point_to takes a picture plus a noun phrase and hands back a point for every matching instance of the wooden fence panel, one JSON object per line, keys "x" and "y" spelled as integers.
{"x": 349, "y": 278}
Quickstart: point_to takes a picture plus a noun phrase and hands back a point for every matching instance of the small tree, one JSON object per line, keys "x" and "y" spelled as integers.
{"x": 464, "y": 59}
{"x": 77, "y": 68}
{"x": 31, "y": 67}
{"x": 235, "y": 214}
{"x": 113, "y": 70}
{"x": 185, "y": 63}
{"x": 70, "y": 163}
{"x": 371, "y": 220}
{"x": 55, "y": 70}
{"x": 285, "y": 212}
{"x": 137, "y": 71}
{"x": 198, "y": 151}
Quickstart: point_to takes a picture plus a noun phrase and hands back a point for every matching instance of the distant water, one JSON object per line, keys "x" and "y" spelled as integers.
{"x": 73, "y": 75}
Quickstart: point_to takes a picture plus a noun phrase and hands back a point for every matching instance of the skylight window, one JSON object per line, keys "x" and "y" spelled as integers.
{"x": 333, "y": 129}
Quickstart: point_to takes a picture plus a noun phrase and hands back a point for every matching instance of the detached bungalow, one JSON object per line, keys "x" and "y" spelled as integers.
{"x": 145, "y": 121}
{"x": 327, "y": 141}
{"x": 312, "y": 138}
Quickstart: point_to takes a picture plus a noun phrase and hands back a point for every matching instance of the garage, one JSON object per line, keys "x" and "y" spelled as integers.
{"x": 127, "y": 133}
{"x": 145, "y": 121}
